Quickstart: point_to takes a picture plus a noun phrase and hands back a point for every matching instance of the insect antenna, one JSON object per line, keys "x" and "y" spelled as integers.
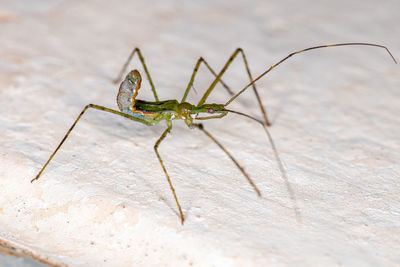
{"x": 301, "y": 51}
{"x": 278, "y": 160}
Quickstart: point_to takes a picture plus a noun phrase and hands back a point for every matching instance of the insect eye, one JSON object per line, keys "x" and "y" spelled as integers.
{"x": 210, "y": 110}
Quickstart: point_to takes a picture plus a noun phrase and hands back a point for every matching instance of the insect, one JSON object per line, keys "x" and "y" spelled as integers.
{"x": 152, "y": 112}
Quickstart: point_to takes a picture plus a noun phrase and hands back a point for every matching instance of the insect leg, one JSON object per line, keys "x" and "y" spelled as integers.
{"x": 218, "y": 77}
{"x": 278, "y": 160}
{"x": 190, "y": 84}
{"x": 200, "y": 126}
{"x": 125, "y": 66}
{"x": 164, "y": 134}
{"x": 76, "y": 121}
{"x": 211, "y": 117}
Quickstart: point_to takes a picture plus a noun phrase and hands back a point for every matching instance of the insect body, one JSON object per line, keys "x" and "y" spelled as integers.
{"x": 151, "y": 113}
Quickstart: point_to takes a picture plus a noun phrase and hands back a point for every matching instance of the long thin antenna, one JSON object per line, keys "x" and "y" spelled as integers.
{"x": 301, "y": 51}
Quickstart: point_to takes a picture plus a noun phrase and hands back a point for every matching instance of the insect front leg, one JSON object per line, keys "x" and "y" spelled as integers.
{"x": 201, "y": 128}
{"x": 227, "y": 64}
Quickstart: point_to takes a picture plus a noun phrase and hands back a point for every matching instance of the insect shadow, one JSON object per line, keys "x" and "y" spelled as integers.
{"x": 152, "y": 112}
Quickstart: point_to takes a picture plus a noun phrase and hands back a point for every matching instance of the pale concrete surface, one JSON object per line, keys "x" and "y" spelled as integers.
{"x": 104, "y": 201}
{"x": 14, "y": 258}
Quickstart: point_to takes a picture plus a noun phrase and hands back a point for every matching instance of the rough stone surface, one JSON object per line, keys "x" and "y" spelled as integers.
{"x": 104, "y": 200}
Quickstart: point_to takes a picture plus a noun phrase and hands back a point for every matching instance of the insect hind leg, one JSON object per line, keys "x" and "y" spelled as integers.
{"x": 76, "y": 121}
{"x": 194, "y": 73}
{"x": 137, "y": 51}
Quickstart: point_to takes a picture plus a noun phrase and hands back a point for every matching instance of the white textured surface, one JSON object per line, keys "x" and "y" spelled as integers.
{"x": 104, "y": 200}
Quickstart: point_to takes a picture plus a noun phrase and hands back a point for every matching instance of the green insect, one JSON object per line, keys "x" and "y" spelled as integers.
{"x": 152, "y": 112}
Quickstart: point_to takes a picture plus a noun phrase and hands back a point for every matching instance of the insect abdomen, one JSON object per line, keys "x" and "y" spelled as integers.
{"x": 128, "y": 91}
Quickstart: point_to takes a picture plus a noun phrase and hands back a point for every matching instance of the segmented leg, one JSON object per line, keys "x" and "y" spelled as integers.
{"x": 125, "y": 66}
{"x": 227, "y": 64}
{"x": 278, "y": 160}
{"x": 200, "y": 126}
{"x": 196, "y": 67}
{"x": 76, "y": 121}
{"x": 164, "y": 134}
